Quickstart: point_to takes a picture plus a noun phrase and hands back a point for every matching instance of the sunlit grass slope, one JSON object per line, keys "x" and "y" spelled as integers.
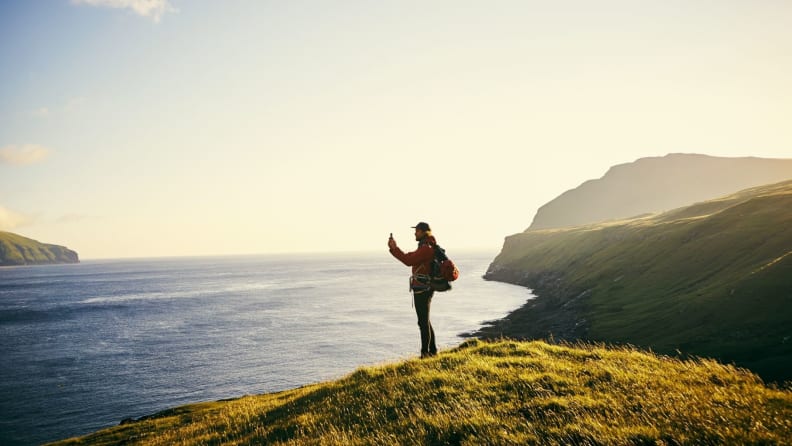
{"x": 713, "y": 279}
{"x": 504, "y": 392}
{"x": 18, "y": 250}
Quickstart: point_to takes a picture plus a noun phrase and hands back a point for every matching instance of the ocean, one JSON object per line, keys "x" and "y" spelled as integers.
{"x": 84, "y": 346}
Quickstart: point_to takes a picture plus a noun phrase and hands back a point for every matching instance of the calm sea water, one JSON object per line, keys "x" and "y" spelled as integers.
{"x": 85, "y": 346}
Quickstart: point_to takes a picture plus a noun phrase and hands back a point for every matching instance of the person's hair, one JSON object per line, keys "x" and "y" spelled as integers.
{"x": 428, "y": 233}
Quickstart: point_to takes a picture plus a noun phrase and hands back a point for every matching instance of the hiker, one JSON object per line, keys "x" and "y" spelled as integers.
{"x": 421, "y": 262}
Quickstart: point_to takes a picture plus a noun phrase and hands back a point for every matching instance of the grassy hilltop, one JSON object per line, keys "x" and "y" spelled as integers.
{"x": 504, "y": 392}
{"x": 712, "y": 279}
{"x": 18, "y": 250}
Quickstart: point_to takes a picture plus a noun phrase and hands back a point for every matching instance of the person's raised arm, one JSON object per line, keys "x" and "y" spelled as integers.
{"x": 420, "y": 255}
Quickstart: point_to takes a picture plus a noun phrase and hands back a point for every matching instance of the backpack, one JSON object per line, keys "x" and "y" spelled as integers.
{"x": 443, "y": 271}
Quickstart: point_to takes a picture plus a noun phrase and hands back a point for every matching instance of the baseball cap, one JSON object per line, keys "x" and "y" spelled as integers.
{"x": 423, "y": 226}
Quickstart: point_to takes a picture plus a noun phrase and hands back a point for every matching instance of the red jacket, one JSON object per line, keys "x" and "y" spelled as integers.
{"x": 420, "y": 259}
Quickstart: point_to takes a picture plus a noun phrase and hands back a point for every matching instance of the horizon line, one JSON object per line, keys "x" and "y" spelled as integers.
{"x": 281, "y": 253}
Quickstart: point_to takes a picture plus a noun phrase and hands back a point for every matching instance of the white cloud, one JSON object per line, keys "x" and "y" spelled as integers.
{"x": 146, "y": 8}
{"x": 24, "y": 154}
{"x": 10, "y": 219}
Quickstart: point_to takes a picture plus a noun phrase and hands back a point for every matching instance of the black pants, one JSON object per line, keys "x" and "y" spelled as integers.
{"x": 423, "y": 300}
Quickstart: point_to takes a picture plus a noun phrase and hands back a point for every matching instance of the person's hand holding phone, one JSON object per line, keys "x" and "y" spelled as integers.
{"x": 391, "y": 242}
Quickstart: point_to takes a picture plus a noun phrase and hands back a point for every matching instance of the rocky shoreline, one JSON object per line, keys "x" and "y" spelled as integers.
{"x": 556, "y": 312}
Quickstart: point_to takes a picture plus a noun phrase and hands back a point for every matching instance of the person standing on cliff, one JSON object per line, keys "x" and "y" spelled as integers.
{"x": 421, "y": 262}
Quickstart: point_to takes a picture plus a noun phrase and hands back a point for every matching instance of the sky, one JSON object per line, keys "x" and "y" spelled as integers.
{"x": 145, "y": 128}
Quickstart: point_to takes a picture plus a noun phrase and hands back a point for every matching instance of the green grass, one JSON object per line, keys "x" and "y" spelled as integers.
{"x": 18, "y": 250}
{"x": 713, "y": 279}
{"x": 504, "y": 392}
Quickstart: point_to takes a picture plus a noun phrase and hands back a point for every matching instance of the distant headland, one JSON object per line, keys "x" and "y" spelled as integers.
{"x": 16, "y": 250}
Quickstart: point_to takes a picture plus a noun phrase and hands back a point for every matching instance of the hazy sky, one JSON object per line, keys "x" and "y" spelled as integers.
{"x": 154, "y": 127}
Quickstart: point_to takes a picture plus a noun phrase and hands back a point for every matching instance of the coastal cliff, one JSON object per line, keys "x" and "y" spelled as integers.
{"x": 18, "y": 250}
{"x": 657, "y": 184}
{"x": 712, "y": 279}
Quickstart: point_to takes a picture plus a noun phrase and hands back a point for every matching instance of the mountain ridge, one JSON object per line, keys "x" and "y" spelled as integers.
{"x": 657, "y": 184}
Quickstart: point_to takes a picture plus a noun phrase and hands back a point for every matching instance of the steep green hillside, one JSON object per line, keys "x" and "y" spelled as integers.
{"x": 657, "y": 184}
{"x": 713, "y": 279}
{"x": 18, "y": 250}
{"x": 493, "y": 393}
